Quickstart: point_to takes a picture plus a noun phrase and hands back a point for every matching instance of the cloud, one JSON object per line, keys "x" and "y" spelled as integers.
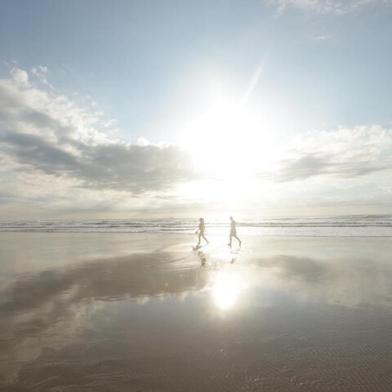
{"x": 44, "y": 133}
{"x": 337, "y": 7}
{"x": 343, "y": 153}
{"x": 324, "y": 37}
{"x": 60, "y": 157}
{"x": 133, "y": 168}
{"x": 20, "y": 77}
{"x": 312, "y": 165}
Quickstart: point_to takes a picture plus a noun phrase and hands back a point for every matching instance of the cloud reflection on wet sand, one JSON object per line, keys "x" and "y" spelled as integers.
{"x": 175, "y": 321}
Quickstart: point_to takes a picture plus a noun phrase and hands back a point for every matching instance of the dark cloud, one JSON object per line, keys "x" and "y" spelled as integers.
{"x": 112, "y": 166}
{"x": 37, "y": 152}
{"x": 137, "y": 168}
{"x": 311, "y": 165}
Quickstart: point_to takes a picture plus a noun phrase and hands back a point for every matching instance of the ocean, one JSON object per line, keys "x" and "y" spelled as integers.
{"x": 337, "y": 226}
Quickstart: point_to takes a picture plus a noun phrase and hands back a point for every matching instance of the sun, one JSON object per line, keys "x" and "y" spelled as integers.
{"x": 233, "y": 148}
{"x": 228, "y": 141}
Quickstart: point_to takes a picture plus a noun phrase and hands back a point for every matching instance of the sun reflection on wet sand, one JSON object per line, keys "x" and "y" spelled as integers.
{"x": 226, "y": 289}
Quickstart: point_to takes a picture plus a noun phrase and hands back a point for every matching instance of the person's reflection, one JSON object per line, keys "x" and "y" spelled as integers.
{"x": 203, "y": 258}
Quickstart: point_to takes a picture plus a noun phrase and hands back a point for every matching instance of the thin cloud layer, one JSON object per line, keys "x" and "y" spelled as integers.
{"x": 337, "y": 7}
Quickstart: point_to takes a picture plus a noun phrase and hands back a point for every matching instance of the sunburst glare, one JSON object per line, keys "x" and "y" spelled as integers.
{"x": 229, "y": 140}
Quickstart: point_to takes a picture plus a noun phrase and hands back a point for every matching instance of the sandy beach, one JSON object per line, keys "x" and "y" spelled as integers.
{"x": 138, "y": 312}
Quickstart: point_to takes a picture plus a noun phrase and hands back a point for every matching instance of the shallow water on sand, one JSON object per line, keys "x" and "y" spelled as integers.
{"x": 99, "y": 312}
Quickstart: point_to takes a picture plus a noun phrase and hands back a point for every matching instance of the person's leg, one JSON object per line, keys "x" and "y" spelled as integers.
{"x": 199, "y": 240}
{"x": 239, "y": 241}
{"x": 230, "y": 239}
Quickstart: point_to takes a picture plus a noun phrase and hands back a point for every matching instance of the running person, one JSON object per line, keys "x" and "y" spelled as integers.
{"x": 201, "y": 232}
{"x": 233, "y": 232}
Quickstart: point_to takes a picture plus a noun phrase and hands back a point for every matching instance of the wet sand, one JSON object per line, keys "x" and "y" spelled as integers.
{"x": 118, "y": 312}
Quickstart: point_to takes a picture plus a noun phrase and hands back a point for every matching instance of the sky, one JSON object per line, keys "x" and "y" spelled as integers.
{"x": 181, "y": 108}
